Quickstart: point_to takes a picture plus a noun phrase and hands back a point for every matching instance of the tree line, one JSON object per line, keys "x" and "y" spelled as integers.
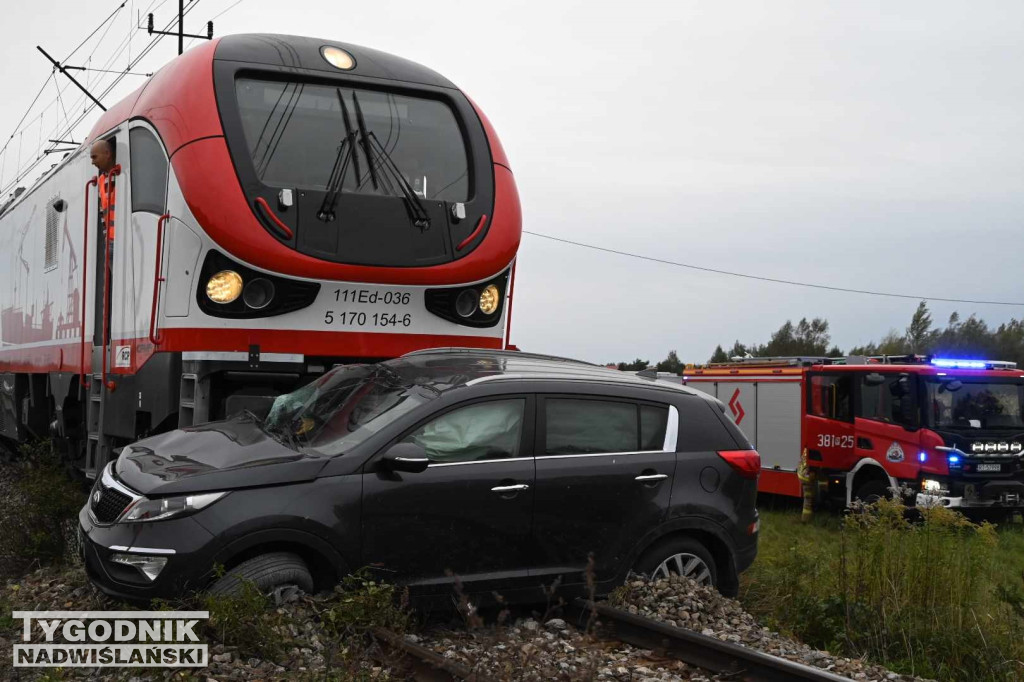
{"x": 970, "y": 338}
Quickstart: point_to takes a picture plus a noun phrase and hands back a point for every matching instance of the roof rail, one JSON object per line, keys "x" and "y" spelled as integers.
{"x": 457, "y": 350}
{"x": 774, "y": 361}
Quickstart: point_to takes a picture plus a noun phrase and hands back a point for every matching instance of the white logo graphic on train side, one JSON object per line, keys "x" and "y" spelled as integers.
{"x": 123, "y": 356}
{"x": 894, "y": 453}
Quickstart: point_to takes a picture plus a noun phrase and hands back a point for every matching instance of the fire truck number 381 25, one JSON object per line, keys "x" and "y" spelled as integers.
{"x": 828, "y": 440}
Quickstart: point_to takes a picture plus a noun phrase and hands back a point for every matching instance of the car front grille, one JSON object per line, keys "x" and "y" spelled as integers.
{"x": 110, "y": 505}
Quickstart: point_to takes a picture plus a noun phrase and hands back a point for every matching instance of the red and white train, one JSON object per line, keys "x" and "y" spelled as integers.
{"x": 283, "y": 204}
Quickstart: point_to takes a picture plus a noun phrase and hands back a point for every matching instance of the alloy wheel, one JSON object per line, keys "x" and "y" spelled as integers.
{"x": 686, "y": 565}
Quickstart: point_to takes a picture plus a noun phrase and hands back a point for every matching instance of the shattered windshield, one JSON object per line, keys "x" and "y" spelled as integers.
{"x": 342, "y": 408}
{"x": 976, "y": 404}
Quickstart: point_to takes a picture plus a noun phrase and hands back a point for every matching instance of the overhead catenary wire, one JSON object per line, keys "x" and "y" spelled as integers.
{"x": 761, "y": 278}
{"x": 60, "y": 133}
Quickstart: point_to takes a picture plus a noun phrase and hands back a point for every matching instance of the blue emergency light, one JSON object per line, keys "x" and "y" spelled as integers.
{"x": 954, "y": 459}
{"x": 954, "y": 363}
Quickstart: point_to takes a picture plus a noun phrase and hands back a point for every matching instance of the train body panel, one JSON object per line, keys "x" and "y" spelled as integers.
{"x": 411, "y": 246}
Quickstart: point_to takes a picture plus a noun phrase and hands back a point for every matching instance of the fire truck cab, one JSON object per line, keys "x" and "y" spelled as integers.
{"x": 949, "y": 431}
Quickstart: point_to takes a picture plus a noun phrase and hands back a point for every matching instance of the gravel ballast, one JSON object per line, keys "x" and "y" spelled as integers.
{"x": 683, "y": 603}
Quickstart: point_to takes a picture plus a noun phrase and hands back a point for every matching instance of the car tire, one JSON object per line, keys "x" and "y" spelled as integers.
{"x": 872, "y": 492}
{"x": 679, "y": 556}
{"x": 266, "y": 572}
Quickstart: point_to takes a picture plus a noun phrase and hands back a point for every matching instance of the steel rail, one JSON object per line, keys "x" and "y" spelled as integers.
{"x": 725, "y": 658}
{"x": 424, "y": 665}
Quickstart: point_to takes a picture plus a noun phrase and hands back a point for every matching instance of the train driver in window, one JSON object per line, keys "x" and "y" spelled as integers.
{"x": 103, "y": 155}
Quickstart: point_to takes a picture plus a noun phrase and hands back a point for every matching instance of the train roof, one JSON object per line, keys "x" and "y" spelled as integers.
{"x": 300, "y": 52}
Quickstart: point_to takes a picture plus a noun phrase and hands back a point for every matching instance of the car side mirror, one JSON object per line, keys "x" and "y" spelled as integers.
{"x": 874, "y": 379}
{"x": 954, "y": 385}
{"x": 407, "y": 457}
{"x": 901, "y": 387}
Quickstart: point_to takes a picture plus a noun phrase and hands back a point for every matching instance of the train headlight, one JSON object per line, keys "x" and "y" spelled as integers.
{"x": 490, "y": 298}
{"x": 467, "y": 302}
{"x": 258, "y": 293}
{"x": 338, "y": 58}
{"x": 224, "y": 287}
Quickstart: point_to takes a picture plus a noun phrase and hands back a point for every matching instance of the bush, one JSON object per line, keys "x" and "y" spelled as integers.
{"x": 39, "y": 520}
{"x": 928, "y": 597}
{"x": 246, "y": 620}
{"x": 360, "y": 604}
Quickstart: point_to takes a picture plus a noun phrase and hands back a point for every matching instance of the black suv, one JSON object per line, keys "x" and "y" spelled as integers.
{"x": 505, "y": 469}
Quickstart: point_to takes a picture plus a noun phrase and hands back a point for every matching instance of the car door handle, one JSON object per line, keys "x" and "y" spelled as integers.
{"x": 510, "y": 488}
{"x": 651, "y": 477}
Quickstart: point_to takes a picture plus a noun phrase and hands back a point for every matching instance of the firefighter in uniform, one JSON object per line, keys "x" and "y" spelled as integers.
{"x": 809, "y": 483}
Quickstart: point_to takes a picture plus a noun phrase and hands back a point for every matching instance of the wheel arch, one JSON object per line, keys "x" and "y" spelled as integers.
{"x": 710, "y": 534}
{"x": 866, "y": 470}
{"x": 325, "y": 564}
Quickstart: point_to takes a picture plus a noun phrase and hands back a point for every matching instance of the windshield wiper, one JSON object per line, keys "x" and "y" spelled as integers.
{"x": 417, "y": 212}
{"x": 346, "y": 153}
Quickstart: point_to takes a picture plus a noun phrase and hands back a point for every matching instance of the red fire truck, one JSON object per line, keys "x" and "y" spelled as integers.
{"x": 282, "y": 204}
{"x": 951, "y": 430}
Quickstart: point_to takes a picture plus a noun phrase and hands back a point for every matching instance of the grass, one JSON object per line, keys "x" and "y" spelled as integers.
{"x": 939, "y": 598}
{"x": 38, "y": 521}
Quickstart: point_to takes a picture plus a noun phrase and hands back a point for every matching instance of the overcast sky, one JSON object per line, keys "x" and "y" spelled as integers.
{"x": 873, "y": 145}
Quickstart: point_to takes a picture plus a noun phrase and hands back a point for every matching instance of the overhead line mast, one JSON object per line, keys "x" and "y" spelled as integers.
{"x": 181, "y": 29}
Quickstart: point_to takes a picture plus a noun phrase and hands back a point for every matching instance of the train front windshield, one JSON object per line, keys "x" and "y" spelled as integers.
{"x": 966, "y": 404}
{"x": 294, "y": 133}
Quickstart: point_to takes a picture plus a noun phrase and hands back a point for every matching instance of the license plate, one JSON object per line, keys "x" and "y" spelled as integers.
{"x": 989, "y": 467}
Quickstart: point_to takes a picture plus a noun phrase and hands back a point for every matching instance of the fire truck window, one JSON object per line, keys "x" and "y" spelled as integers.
{"x": 148, "y": 171}
{"x": 830, "y": 396}
{"x": 884, "y": 402}
{"x": 589, "y": 426}
{"x": 653, "y": 421}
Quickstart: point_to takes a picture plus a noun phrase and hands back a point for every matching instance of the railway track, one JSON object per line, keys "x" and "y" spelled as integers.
{"x": 422, "y": 664}
{"x": 731, "y": 661}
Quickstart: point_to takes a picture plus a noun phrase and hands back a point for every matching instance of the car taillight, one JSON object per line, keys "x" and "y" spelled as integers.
{"x": 747, "y": 463}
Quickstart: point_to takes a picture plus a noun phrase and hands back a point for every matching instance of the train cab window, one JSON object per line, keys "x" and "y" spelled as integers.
{"x": 888, "y": 398}
{"x": 295, "y": 134}
{"x": 148, "y": 171}
{"x": 830, "y": 396}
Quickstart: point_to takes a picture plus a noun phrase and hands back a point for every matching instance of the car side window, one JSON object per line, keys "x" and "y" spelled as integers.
{"x": 489, "y": 430}
{"x": 653, "y": 422}
{"x": 575, "y": 426}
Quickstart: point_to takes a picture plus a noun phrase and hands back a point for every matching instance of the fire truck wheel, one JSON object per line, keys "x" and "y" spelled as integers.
{"x": 273, "y": 573}
{"x": 679, "y": 556}
{"x": 872, "y": 492}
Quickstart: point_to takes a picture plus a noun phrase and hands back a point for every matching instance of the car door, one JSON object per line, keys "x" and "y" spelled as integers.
{"x": 604, "y": 478}
{"x": 469, "y": 513}
{"x": 887, "y": 422}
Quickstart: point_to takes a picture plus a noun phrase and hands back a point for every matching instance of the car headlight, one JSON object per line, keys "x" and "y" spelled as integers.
{"x": 224, "y": 287}
{"x": 931, "y": 485}
{"x": 169, "y": 507}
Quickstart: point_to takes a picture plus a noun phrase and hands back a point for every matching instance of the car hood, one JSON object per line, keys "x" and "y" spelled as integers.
{"x": 224, "y": 455}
